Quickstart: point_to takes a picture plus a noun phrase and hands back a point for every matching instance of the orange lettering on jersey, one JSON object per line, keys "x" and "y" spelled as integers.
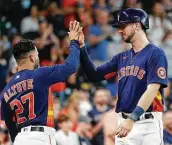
{"x": 6, "y": 97}
{"x": 10, "y": 93}
{"x": 141, "y": 74}
{"x": 19, "y": 88}
{"x": 131, "y": 70}
{"x": 14, "y": 89}
{"x": 23, "y": 83}
{"x": 30, "y": 84}
{"x": 128, "y": 70}
{"x": 136, "y": 69}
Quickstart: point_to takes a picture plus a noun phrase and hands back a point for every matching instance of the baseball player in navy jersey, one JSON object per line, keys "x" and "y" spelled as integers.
{"x": 142, "y": 73}
{"x": 27, "y": 106}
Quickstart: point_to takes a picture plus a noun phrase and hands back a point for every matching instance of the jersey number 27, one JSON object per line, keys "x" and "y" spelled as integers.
{"x": 19, "y": 107}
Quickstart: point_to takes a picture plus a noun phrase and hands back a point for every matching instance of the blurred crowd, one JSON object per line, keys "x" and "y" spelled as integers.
{"x": 84, "y": 112}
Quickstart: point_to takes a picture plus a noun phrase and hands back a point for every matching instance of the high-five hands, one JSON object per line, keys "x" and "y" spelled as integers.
{"x": 76, "y": 32}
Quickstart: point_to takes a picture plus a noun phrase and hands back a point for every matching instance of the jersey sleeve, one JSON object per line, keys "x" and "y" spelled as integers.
{"x": 157, "y": 69}
{"x": 59, "y": 73}
{"x": 105, "y": 71}
{"x": 8, "y": 118}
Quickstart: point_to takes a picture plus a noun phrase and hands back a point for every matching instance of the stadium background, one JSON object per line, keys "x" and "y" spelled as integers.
{"x": 46, "y": 22}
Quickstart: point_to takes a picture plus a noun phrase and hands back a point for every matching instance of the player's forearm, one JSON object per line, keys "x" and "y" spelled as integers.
{"x": 145, "y": 101}
{"x": 72, "y": 60}
{"x": 148, "y": 96}
{"x": 89, "y": 67}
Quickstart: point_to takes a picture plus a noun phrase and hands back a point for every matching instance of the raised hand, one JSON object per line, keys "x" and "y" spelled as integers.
{"x": 81, "y": 39}
{"x": 75, "y": 30}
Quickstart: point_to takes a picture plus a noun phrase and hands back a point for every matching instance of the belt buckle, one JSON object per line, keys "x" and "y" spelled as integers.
{"x": 146, "y": 115}
{"x": 35, "y": 128}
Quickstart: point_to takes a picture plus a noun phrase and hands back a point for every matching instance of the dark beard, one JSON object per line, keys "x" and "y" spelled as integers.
{"x": 128, "y": 40}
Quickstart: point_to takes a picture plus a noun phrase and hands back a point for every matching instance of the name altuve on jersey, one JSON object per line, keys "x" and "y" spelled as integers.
{"x": 18, "y": 88}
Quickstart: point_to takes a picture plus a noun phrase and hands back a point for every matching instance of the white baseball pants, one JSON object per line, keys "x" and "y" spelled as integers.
{"x": 144, "y": 132}
{"x": 28, "y": 137}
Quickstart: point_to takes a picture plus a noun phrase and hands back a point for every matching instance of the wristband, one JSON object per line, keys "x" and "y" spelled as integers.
{"x": 135, "y": 115}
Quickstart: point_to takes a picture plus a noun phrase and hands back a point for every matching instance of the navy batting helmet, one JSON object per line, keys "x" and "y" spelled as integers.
{"x": 132, "y": 15}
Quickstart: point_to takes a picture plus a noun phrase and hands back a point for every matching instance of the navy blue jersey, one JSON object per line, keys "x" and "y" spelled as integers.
{"x": 135, "y": 71}
{"x": 27, "y": 98}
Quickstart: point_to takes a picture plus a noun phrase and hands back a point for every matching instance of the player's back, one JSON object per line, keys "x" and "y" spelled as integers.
{"x": 29, "y": 99}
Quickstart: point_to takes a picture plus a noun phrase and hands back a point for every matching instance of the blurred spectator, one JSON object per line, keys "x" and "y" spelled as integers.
{"x": 45, "y": 39}
{"x": 100, "y": 4}
{"x": 65, "y": 46}
{"x": 56, "y": 106}
{"x": 72, "y": 109}
{"x": 116, "y": 46}
{"x": 167, "y": 119}
{"x": 5, "y": 55}
{"x": 16, "y": 12}
{"x": 167, "y": 4}
{"x": 64, "y": 135}
{"x": 130, "y": 4}
{"x": 4, "y": 137}
{"x": 71, "y": 81}
{"x": 96, "y": 115}
{"x": 15, "y": 38}
{"x": 55, "y": 16}
{"x": 30, "y": 23}
{"x": 115, "y": 5}
{"x": 84, "y": 131}
{"x": 69, "y": 7}
{"x": 168, "y": 96}
{"x": 167, "y": 47}
{"x": 84, "y": 16}
{"x": 98, "y": 35}
{"x": 12, "y": 63}
{"x": 159, "y": 24}
{"x": 10, "y": 74}
{"x": 110, "y": 123}
{"x": 84, "y": 104}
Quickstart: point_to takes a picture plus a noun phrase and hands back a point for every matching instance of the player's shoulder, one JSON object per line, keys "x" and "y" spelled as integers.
{"x": 155, "y": 50}
{"x": 122, "y": 54}
{"x": 17, "y": 78}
